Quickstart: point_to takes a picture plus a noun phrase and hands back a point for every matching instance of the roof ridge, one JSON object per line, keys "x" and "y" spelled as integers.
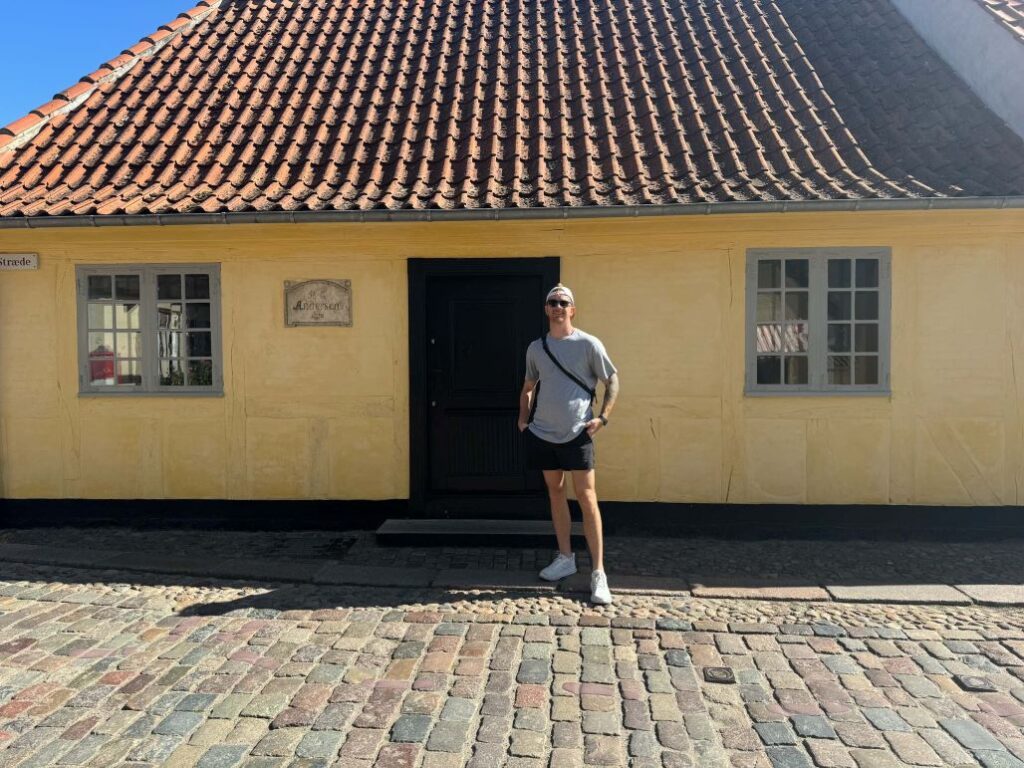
{"x": 14, "y": 134}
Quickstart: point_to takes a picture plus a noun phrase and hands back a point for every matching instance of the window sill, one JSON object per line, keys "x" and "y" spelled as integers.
{"x": 126, "y": 393}
{"x": 818, "y": 393}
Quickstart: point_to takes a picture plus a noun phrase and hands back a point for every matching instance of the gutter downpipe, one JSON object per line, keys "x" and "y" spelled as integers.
{"x": 509, "y": 214}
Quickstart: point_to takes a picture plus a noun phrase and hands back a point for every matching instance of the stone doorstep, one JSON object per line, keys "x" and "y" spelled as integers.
{"x": 899, "y": 593}
{"x": 994, "y": 594}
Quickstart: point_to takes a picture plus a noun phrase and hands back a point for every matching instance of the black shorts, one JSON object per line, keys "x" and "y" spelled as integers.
{"x": 578, "y": 453}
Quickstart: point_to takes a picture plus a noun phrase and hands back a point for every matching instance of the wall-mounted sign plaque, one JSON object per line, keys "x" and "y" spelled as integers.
{"x": 12, "y": 262}
{"x": 318, "y": 302}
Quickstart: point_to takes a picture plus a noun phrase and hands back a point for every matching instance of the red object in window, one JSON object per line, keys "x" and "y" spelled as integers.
{"x": 101, "y": 365}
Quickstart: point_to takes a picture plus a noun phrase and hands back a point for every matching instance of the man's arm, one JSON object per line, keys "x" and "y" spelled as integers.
{"x": 525, "y": 398}
{"x": 611, "y": 391}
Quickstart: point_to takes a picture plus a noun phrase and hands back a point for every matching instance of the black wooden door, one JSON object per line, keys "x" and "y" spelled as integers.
{"x": 477, "y": 331}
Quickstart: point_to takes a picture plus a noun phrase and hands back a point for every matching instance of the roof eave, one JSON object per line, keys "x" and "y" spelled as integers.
{"x": 510, "y": 214}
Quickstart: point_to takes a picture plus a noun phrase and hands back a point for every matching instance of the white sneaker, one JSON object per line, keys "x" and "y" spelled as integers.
{"x": 561, "y": 566}
{"x": 599, "y": 592}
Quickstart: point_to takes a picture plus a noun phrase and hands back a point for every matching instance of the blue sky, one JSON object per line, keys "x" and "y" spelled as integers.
{"x": 48, "y": 45}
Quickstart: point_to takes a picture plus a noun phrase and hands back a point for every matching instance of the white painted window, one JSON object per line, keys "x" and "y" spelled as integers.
{"x": 818, "y": 320}
{"x": 152, "y": 329}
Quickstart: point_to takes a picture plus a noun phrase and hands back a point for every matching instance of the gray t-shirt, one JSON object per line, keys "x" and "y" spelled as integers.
{"x": 563, "y": 407}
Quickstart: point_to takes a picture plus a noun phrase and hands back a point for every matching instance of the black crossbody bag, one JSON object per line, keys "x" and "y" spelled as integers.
{"x": 579, "y": 382}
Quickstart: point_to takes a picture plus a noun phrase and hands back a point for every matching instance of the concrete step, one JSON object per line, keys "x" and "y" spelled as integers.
{"x": 471, "y": 533}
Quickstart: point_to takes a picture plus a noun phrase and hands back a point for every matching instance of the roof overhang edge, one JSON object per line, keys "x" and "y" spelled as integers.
{"x": 510, "y": 214}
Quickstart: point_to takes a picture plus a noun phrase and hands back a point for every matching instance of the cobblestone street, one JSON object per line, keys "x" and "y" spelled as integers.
{"x": 107, "y": 668}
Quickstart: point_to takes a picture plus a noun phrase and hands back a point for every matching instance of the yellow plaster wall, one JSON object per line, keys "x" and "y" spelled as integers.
{"x": 323, "y": 412}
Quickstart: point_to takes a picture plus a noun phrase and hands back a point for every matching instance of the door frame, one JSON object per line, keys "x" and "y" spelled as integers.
{"x": 420, "y": 270}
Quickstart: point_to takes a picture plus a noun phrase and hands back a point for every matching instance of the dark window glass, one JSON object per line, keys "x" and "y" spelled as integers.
{"x": 198, "y": 344}
{"x": 796, "y": 305}
{"x": 838, "y": 305}
{"x": 839, "y": 370}
{"x": 838, "y": 337}
{"x": 797, "y": 273}
{"x": 796, "y": 370}
{"x": 200, "y": 373}
{"x": 197, "y": 315}
{"x": 769, "y": 370}
{"x": 127, "y": 287}
{"x": 866, "y": 370}
{"x": 769, "y": 273}
{"x": 168, "y": 286}
{"x": 867, "y": 305}
{"x": 838, "y": 273}
{"x": 197, "y": 286}
{"x": 867, "y": 273}
{"x": 101, "y": 287}
{"x": 867, "y": 337}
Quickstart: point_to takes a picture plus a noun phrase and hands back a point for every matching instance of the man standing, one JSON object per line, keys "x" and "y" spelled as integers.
{"x": 562, "y": 371}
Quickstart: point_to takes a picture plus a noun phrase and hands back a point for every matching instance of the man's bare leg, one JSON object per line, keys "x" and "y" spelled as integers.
{"x": 583, "y": 481}
{"x": 554, "y": 479}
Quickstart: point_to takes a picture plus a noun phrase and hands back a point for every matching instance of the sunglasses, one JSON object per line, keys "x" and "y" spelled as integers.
{"x": 559, "y": 303}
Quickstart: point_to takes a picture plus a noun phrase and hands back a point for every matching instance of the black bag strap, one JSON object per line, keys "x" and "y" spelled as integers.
{"x": 579, "y": 382}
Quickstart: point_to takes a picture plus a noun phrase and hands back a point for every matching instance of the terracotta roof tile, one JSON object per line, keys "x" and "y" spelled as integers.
{"x": 365, "y": 104}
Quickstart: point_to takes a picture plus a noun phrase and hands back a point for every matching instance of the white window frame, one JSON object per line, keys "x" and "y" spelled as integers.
{"x": 148, "y": 326}
{"x": 818, "y": 320}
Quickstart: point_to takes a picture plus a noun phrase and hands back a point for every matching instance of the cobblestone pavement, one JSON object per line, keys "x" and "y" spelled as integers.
{"x": 811, "y": 561}
{"x": 105, "y": 668}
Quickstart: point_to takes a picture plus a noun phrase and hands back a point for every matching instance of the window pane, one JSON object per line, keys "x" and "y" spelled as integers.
{"x": 127, "y": 316}
{"x": 172, "y": 373}
{"x": 127, "y": 287}
{"x": 769, "y": 307}
{"x": 867, "y": 337}
{"x": 796, "y": 338}
{"x": 101, "y": 369}
{"x": 168, "y": 315}
{"x": 198, "y": 344}
{"x": 769, "y": 273}
{"x": 769, "y": 370}
{"x": 838, "y": 273}
{"x": 168, "y": 286}
{"x": 867, "y": 305}
{"x": 867, "y": 273}
{"x": 128, "y": 372}
{"x": 839, "y": 370}
{"x": 101, "y": 344}
{"x": 866, "y": 369}
{"x": 838, "y": 305}
{"x": 168, "y": 344}
{"x": 796, "y": 305}
{"x": 101, "y": 287}
{"x": 796, "y": 370}
{"x": 796, "y": 273}
{"x": 838, "y": 337}
{"x": 128, "y": 345}
{"x": 200, "y": 373}
{"x": 197, "y": 315}
{"x": 197, "y": 286}
{"x": 769, "y": 338}
{"x": 101, "y": 316}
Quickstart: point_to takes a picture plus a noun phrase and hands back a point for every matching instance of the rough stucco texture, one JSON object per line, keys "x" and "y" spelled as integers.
{"x": 323, "y": 413}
